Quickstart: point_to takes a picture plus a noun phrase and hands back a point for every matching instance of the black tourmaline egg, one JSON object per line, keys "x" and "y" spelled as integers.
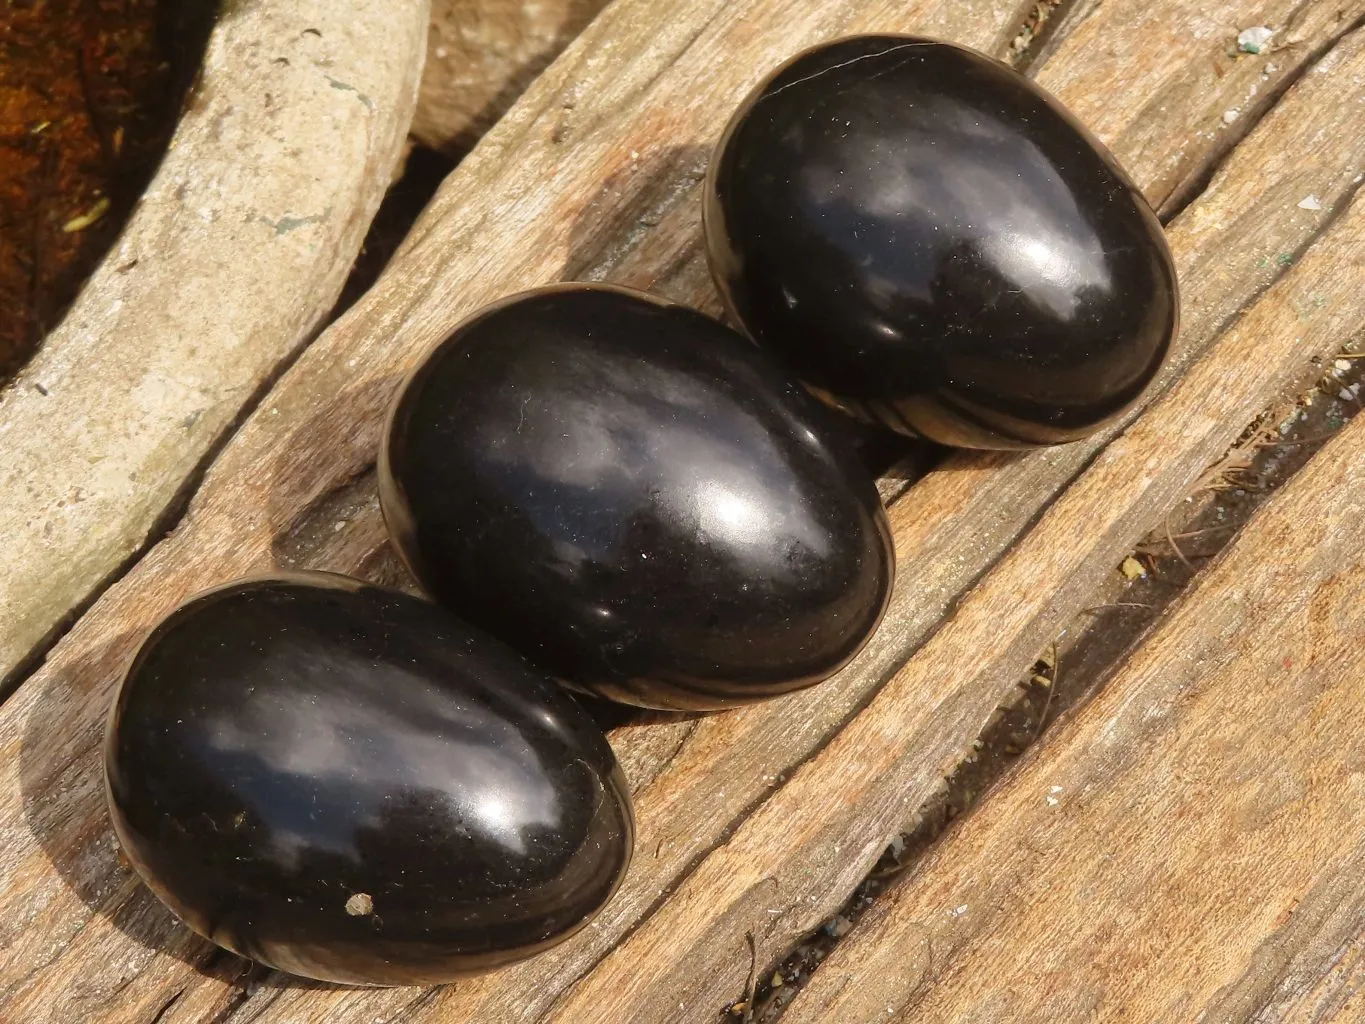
{"x": 350, "y": 784}
{"x": 637, "y": 498}
{"x": 931, "y": 241}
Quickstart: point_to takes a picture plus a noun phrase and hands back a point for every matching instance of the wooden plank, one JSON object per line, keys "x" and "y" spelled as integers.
{"x": 1231, "y": 89}
{"x": 1191, "y": 846}
{"x": 235, "y": 253}
{"x": 1332, "y": 989}
{"x": 550, "y": 191}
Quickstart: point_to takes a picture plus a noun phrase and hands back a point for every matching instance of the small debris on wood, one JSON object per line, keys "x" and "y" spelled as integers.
{"x": 1037, "y": 18}
{"x": 837, "y": 926}
{"x": 1310, "y": 202}
{"x": 1254, "y": 40}
{"x": 1133, "y": 569}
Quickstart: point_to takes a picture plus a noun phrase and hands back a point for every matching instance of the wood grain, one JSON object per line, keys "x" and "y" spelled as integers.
{"x": 236, "y": 251}
{"x": 1231, "y": 89}
{"x": 555, "y": 191}
{"x": 1191, "y": 845}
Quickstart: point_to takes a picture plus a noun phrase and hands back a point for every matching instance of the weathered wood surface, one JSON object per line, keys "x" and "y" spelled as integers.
{"x": 1233, "y": 89}
{"x": 236, "y": 251}
{"x": 594, "y": 174}
{"x": 1191, "y": 846}
{"x": 481, "y": 55}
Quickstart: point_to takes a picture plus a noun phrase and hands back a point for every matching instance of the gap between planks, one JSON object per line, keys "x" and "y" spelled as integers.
{"x": 1082, "y": 656}
{"x": 1189, "y": 845}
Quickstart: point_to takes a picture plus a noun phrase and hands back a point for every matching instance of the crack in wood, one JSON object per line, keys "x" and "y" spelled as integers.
{"x": 167, "y": 1006}
{"x": 1098, "y": 653}
{"x": 1185, "y": 192}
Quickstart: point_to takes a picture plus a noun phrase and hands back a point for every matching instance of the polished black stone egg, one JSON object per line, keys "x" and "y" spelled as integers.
{"x": 933, "y": 242}
{"x": 350, "y": 784}
{"x": 637, "y": 498}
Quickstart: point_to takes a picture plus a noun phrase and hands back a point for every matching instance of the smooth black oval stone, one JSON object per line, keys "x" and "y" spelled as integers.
{"x": 350, "y": 784}
{"x": 931, "y": 241}
{"x": 638, "y": 499}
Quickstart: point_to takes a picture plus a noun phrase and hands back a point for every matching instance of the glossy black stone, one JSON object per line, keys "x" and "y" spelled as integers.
{"x": 351, "y": 784}
{"x": 638, "y": 499}
{"x": 931, "y": 241}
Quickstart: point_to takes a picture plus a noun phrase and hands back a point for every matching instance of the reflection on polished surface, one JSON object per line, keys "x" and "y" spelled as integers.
{"x": 351, "y": 784}
{"x": 638, "y": 499}
{"x": 933, "y": 241}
